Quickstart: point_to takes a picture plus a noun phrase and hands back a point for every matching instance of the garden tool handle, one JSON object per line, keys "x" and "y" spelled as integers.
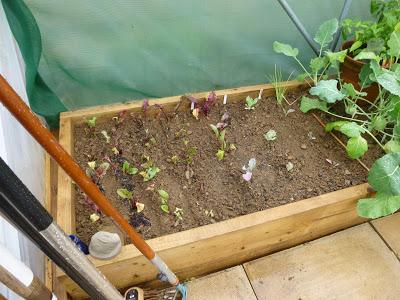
{"x": 43, "y": 136}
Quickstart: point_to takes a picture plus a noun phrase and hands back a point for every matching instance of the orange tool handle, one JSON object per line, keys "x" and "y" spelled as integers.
{"x": 43, "y": 136}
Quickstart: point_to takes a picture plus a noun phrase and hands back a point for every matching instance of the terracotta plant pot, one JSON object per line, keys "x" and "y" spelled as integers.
{"x": 350, "y": 70}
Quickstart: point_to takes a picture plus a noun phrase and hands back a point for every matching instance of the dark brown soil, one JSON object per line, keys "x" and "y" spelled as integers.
{"x": 320, "y": 165}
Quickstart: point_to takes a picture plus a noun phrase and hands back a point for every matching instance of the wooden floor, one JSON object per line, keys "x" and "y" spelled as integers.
{"x": 361, "y": 262}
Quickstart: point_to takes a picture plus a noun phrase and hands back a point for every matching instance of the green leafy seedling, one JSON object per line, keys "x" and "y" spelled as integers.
{"x": 91, "y": 122}
{"x": 125, "y": 194}
{"x": 126, "y": 168}
{"x": 164, "y": 196}
{"x": 178, "y": 212}
{"x": 149, "y": 173}
{"x": 250, "y": 103}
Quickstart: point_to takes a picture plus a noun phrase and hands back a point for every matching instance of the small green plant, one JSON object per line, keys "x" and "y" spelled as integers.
{"x": 175, "y": 159}
{"x": 91, "y": 122}
{"x": 250, "y": 103}
{"x": 280, "y": 89}
{"x": 178, "y": 212}
{"x": 125, "y": 194}
{"x": 191, "y": 152}
{"x": 270, "y": 135}
{"x": 127, "y": 168}
{"x": 164, "y": 196}
{"x": 220, "y": 134}
{"x": 149, "y": 173}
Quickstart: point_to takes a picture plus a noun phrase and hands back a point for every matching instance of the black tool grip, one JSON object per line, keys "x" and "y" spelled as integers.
{"x": 16, "y": 194}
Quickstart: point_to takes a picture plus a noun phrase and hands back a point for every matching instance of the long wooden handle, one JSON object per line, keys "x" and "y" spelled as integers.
{"x": 43, "y": 136}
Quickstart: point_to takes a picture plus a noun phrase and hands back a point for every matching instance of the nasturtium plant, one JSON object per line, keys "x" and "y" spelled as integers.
{"x": 250, "y": 103}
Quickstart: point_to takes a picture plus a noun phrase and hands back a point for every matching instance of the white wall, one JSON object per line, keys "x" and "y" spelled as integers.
{"x": 24, "y": 156}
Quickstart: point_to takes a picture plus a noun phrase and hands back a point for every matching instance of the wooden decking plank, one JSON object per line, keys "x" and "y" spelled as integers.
{"x": 351, "y": 264}
{"x": 229, "y": 284}
{"x": 388, "y": 227}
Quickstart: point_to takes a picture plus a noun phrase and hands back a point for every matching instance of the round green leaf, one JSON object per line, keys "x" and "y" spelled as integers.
{"x": 285, "y": 49}
{"x": 308, "y": 104}
{"x": 356, "y": 147}
{"x": 380, "y": 206}
{"x": 384, "y": 175}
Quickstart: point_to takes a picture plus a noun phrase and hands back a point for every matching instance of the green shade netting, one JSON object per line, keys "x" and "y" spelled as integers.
{"x": 101, "y": 51}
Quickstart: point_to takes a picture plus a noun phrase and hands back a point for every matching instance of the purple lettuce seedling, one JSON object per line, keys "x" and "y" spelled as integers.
{"x": 210, "y": 101}
{"x": 145, "y": 105}
{"x": 249, "y": 169}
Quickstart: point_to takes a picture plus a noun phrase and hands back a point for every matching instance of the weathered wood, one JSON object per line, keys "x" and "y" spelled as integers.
{"x": 352, "y": 264}
{"x": 51, "y": 173}
{"x": 217, "y": 246}
{"x": 230, "y": 284}
{"x": 213, "y": 247}
{"x": 388, "y": 227}
{"x": 170, "y": 103}
{"x": 65, "y": 197}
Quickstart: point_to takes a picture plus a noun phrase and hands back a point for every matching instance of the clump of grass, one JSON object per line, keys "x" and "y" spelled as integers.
{"x": 280, "y": 90}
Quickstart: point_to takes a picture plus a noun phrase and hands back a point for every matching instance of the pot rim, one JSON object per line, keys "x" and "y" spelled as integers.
{"x": 347, "y": 45}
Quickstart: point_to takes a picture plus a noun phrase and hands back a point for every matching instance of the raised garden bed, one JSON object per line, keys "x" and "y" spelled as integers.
{"x": 248, "y": 219}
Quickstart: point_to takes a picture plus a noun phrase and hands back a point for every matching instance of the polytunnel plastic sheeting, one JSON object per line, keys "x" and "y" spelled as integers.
{"x": 101, "y": 51}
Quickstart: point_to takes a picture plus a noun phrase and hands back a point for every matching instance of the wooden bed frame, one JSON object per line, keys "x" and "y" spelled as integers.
{"x": 213, "y": 247}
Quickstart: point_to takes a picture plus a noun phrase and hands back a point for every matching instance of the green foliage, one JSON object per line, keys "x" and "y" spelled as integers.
{"x": 356, "y": 147}
{"x": 91, "y": 122}
{"x": 327, "y": 90}
{"x": 178, "y": 212}
{"x": 149, "y": 173}
{"x": 220, "y": 154}
{"x": 381, "y": 205}
{"x": 308, "y": 104}
{"x": 125, "y": 194}
{"x": 276, "y": 81}
{"x": 164, "y": 196}
{"x": 384, "y": 175}
{"x": 325, "y": 32}
{"x": 270, "y": 135}
{"x": 191, "y": 153}
{"x": 126, "y": 168}
{"x": 374, "y": 36}
{"x": 250, "y": 103}
{"x": 392, "y": 146}
{"x": 285, "y": 49}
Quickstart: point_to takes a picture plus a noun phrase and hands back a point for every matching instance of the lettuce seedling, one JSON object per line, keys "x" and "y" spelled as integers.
{"x": 270, "y": 135}
{"x": 194, "y": 106}
{"x": 164, "y": 196}
{"x": 149, "y": 173}
{"x": 224, "y": 121}
{"x": 249, "y": 169}
{"x": 91, "y": 122}
{"x": 126, "y": 168}
{"x": 220, "y": 134}
{"x": 191, "y": 153}
{"x": 125, "y": 194}
{"x": 210, "y": 101}
{"x": 145, "y": 105}
{"x": 95, "y": 172}
{"x": 250, "y": 103}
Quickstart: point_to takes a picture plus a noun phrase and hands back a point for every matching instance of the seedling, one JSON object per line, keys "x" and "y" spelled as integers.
{"x": 250, "y": 103}
{"x": 125, "y": 194}
{"x": 220, "y": 134}
{"x": 89, "y": 202}
{"x": 126, "y": 168}
{"x": 138, "y": 205}
{"x": 91, "y": 122}
{"x": 164, "y": 196}
{"x": 161, "y": 108}
{"x": 106, "y": 136}
{"x": 178, "y": 212}
{"x": 115, "y": 151}
{"x": 280, "y": 89}
{"x": 270, "y": 135}
{"x": 191, "y": 153}
{"x": 249, "y": 169}
{"x": 210, "y": 101}
{"x": 224, "y": 121}
{"x": 193, "y": 106}
{"x": 95, "y": 172}
{"x": 149, "y": 173}
{"x": 174, "y": 159}
{"x": 145, "y": 106}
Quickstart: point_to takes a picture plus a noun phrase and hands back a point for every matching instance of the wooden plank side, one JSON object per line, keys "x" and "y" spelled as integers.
{"x": 230, "y": 284}
{"x": 213, "y": 247}
{"x": 351, "y": 264}
{"x": 65, "y": 200}
{"x": 170, "y": 103}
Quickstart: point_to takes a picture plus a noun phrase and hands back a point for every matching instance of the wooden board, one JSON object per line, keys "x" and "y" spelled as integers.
{"x": 217, "y": 246}
{"x": 230, "y": 284}
{"x": 388, "y": 228}
{"x": 352, "y": 264}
